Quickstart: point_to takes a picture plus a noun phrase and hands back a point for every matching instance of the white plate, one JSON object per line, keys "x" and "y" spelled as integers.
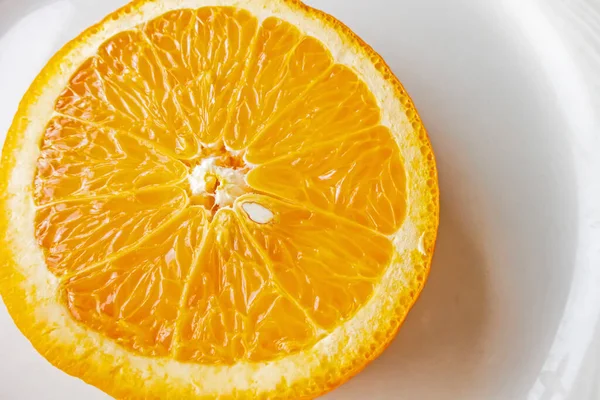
{"x": 509, "y": 91}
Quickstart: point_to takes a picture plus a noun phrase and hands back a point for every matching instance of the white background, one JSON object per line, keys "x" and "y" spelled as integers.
{"x": 509, "y": 91}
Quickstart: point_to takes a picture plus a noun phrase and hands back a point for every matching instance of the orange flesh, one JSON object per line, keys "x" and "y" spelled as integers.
{"x": 165, "y": 271}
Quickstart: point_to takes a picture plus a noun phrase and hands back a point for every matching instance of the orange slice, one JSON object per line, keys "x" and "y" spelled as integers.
{"x": 202, "y": 199}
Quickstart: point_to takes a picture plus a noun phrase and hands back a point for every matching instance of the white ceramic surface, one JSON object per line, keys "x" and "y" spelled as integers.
{"x": 509, "y": 91}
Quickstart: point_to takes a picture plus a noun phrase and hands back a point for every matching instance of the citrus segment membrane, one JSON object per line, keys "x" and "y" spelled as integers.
{"x": 337, "y": 105}
{"x": 360, "y": 178}
{"x": 234, "y": 309}
{"x": 217, "y": 190}
{"x": 135, "y": 299}
{"x": 125, "y": 87}
{"x": 82, "y": 160}
{"x": 77, "y": 234}
{"x": 204, "y": 52}
{"x": 284, "y": 65}
{"x": 329, "y": 265}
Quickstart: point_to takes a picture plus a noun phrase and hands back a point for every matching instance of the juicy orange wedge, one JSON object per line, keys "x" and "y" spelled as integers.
{"x": 202, "y": 201}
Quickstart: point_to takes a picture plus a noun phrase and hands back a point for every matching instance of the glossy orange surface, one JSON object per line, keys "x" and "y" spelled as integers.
{"x": 163, "y": 268}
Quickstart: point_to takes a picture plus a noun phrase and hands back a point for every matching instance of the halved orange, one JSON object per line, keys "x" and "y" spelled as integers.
{"x": 215, "y": 199}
